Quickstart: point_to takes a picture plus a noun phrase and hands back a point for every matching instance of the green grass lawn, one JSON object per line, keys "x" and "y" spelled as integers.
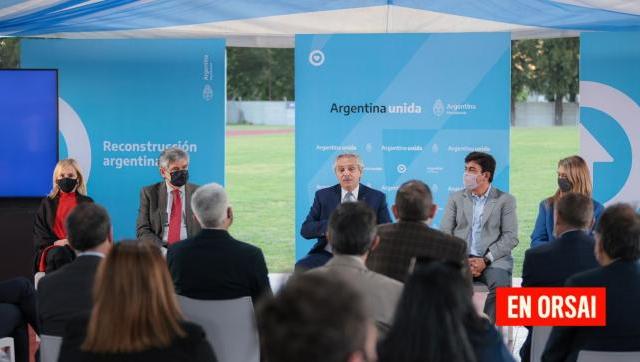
{"x": 260, "y": 182}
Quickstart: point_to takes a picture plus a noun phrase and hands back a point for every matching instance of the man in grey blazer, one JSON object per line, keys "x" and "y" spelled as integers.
{"x": 165, "y": 216}
{"x": 486, "y": 218}
{"x": 352, "y": 234}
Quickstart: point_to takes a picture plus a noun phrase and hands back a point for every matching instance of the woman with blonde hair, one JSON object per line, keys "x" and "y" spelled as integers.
{"x": 49, "y": 230}
{"x": 573, "y": 176}
{"x": 135, "y": 314}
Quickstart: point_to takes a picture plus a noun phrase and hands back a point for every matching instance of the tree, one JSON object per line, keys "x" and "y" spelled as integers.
{"x": 9, "y": 52}
{"x": 259, "y": 73}
{"x": 522, "y": 72}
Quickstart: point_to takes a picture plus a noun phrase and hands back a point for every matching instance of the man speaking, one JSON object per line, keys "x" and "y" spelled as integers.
{"x": 348, "y": 168}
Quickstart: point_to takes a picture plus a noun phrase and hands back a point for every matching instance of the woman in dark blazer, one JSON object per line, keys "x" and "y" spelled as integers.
{"x": 573, "y": 176}
{"x": 49, "y": 230}
{"x": 135, "y": 314}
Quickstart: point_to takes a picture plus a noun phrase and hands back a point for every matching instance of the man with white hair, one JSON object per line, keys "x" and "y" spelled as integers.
{"x": 164, "y": 216}
{"x": 212, "y": 264}
{"x": 348, "y": 168}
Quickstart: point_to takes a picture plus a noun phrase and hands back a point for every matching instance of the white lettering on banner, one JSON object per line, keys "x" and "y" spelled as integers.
{"x": 416, "y": 148}
{"x": 140, "y": 160}
{"x": 519, "y": 306}
{"x": 469, "y": 149}
{"x": 324, "y": 148}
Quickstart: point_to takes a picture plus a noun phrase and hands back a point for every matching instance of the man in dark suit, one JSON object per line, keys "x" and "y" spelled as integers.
{"x": 67, "y": 291}
{"x": 348, "y": 168}
{"x": 411, "y": 236}
{"x": 164, "y": 215}
{"x": 617, "y": 250}
{"x": 571, "y": 252}
{"x": 212, "y": 264}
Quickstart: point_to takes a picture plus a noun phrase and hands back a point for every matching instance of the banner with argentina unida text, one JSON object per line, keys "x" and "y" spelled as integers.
{"x": 610, "y": 114}
{"x": 124, "y": 101}
{"x": 411, "y": 105}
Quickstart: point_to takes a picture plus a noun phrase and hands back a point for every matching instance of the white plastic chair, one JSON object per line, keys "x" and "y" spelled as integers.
{"x": 7, "y": 343}
{"x": 49, "y": 348}
{"x": 539, "y": 337}
{"x": 229, "y": 324}
{"x": 597, "y": 356}
{"x": 36, "y": 279}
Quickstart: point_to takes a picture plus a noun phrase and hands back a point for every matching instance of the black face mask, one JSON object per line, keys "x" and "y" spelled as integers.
{"x": 179, "y": 178}
{"x": 67, "y": 184}
{"x": 564, "y": 184}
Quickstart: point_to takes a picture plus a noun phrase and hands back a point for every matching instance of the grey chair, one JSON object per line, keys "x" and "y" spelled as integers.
{"x": 6, "y": 343}
{"x": 49, "y": 348}
{"x": 598, "y": 356}
{"x": 539, "y": 338}
{"x": 229, "y": 324}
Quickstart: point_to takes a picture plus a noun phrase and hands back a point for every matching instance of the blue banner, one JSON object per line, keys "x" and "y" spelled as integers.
{"x": 609, "y": 114}
{"x": 411, "y": 105}
{"x": 124, "y": 101}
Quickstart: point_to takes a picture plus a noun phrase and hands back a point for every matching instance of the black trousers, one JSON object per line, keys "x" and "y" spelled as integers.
{"x": 17, "y": 309}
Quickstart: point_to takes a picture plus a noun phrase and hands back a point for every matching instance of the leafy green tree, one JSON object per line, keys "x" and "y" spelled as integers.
{"x": 9, "y": 52}
{"x": 522, "y": 72}
{"x": 260, "y": 73}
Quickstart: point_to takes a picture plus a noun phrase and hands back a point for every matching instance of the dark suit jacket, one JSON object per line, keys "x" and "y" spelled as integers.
{"x": 552, "y": 263}
{"x": 404, "y": 240}
{"x": 214, "y": 265}
{"x": 192, "y": 347}
{"x": 622, "y": 332}
{"x": 326, "y": 200}
{"x": 43, "y": 235}
{"x": 66, "y": 293}
{"x": 152, "y": 214}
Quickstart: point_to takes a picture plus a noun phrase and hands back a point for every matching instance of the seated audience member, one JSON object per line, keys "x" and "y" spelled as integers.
{"x": 67, "y": 291}
{"x": 212, "y": 264}
{"x": 352, "y": 233}
{"x": 316, "y": 317}
{"x": 573, "y": 176}
{"x": 485, "y": 217}
{"x": 164, "y": 215}
{"x": 348, "y": 168}
{"x": 49, "y": 232}
{"x": 436, "y": 321}
{"x": 571, "y": 251}
{"x": 17, "y": 308}
{"x": 617, "y": 250}
{"x": 136, "y": 316}
{"x": 412, "y": 235}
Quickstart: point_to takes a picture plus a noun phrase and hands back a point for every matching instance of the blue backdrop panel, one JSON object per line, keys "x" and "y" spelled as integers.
{"x": 411, "y": 105}
{"x": 610, "y": 114}
{"x": 29, "y": 137}
{"x": 123, "y": 101}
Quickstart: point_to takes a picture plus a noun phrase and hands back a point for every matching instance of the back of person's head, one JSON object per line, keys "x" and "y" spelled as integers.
{"x": 575, "y": 210}
{"x": 313, "y": 318}
{"x": 432, "y": 317}
{"x": 352, "y": 228}
{"x": 210, "y": 205}
{"x": 618, "y": 232}
{"x": 88, "y": 226}
{"x": 414, "y": 201}
{"x": 484, "y": 160}
{"x": 135, "y": 307}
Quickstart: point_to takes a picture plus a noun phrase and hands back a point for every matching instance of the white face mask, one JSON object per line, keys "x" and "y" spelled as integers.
{"x": 470, "y": 181}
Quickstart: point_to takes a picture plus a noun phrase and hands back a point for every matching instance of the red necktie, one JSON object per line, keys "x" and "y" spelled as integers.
{"x": 175, "y": 218}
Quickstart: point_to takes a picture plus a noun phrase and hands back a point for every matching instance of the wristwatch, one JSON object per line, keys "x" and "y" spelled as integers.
{"x": 487, "y": 261}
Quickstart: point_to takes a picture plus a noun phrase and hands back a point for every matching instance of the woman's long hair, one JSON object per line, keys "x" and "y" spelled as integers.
{"x": 578, "y": 174}
{"x": 433, "y": 316}
{"x": 135, "y": 307}
{"x": 81, "y": 188}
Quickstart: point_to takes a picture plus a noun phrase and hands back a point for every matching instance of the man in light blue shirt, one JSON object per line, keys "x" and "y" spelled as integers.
{"x": 485, "y": 217}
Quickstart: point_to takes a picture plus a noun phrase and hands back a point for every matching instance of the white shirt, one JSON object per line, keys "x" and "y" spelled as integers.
{"x": 354, "y": 192}
{"x": 94, "y": 253}
{"x": 183, "y": 225}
